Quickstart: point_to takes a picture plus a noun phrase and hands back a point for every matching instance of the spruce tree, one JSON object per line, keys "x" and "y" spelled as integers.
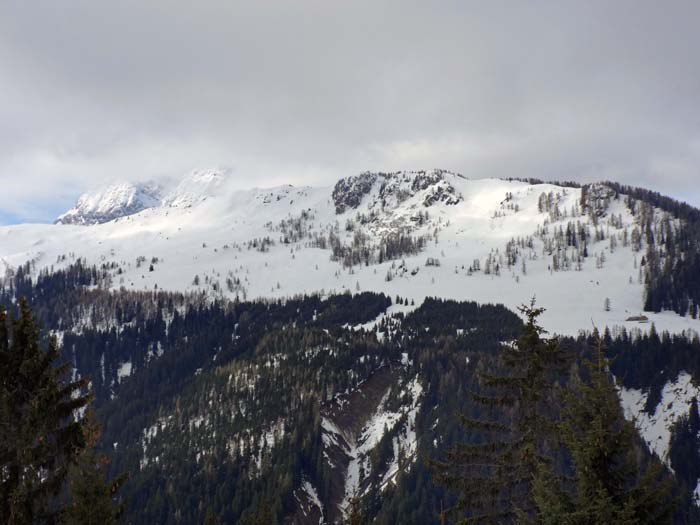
{"x": 92, "y": 496}
{"x": 609, "y": 485}
{"x": 41, "y": 433}
{"x": 684, "y": 457}
{"x": 494, "y": 477}
{"x": 684, "y": 447}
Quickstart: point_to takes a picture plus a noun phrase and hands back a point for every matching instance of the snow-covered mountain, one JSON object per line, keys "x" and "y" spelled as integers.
{"x": 112, "y": 202}
{"x": 586, "y": 253}
{"x": 126, "y": 198}
{"x": 413, "y": 234}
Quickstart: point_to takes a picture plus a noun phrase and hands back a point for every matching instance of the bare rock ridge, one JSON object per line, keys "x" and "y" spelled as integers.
{"x": 394, "y": 188}
{"x": 348, "y": 192}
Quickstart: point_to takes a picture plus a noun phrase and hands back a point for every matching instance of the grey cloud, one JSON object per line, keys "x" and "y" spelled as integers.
{"x": 309, "y": 91}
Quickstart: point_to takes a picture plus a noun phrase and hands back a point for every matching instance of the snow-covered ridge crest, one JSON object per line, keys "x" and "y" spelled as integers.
{"x": 400, "y": 233}
{"x": 198, "y": 187}
{"x": 112, "y": 202}
{"x": 385, "y": 192}
{"x": 128, "y": 198}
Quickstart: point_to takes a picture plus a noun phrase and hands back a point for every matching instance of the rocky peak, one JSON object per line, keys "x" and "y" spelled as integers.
{"x": 428, "y": 187}
{"x": 117, "y": 200}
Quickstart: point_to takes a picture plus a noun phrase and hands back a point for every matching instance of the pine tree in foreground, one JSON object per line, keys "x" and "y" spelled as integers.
{"x": 609, "y": 485}
{"x": 494, "y": 478}
{"x": 41, "y": 439}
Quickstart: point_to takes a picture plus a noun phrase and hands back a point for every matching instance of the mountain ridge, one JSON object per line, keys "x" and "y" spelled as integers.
{"x": 128, "y": 198}
{"x": 410, "y": 233}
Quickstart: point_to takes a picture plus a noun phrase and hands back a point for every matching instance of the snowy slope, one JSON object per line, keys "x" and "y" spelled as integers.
{"x": 676, "y": 398}
{"x": 205, "y": 236}
{"x": 655, "y": 428}
{"x": 196, "y": 188}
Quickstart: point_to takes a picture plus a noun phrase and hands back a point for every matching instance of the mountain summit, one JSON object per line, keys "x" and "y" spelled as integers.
{"x": 117, "y": 200}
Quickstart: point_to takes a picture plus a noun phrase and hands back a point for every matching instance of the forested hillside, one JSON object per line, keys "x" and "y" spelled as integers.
{"x": 295, "y": 410}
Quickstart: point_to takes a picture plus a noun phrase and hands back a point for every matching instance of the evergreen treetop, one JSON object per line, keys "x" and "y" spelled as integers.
{"x": 610, "y": 484}
{"x": 42, "y": 432}
{"x": 494, "y": 477}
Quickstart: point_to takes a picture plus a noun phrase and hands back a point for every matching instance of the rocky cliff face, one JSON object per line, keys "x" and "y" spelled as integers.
{"x": 348, "y": 192}
{"x": 388, "y": 190}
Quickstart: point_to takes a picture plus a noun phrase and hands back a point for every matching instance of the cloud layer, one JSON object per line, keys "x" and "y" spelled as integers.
{"x": 309, "y": 91}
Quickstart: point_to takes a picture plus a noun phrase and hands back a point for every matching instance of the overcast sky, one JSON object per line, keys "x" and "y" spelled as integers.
{"x": 310, "y": 91}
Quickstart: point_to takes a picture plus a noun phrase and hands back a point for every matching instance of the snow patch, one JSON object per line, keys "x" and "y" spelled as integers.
{"x": 124, "y": 370}
{"x": 676, "y": 397}
{"x": 370, "y": 436}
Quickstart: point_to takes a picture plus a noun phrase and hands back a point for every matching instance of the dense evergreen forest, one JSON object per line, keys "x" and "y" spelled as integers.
{"x": 253, "y": 412}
